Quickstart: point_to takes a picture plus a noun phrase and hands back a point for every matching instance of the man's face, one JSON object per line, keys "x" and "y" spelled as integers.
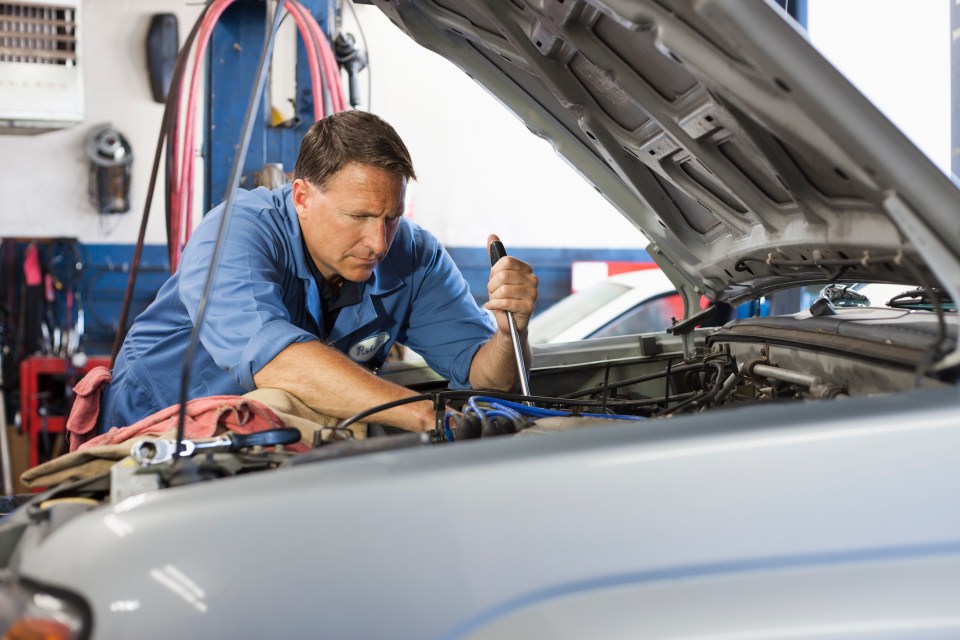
{"x": 349, "y": 225}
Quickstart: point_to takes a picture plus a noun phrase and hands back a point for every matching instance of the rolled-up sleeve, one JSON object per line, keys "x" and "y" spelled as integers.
{"x": 246, "y": 322}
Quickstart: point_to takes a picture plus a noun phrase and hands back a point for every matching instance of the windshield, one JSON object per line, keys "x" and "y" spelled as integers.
{"x": 572, "y": 309}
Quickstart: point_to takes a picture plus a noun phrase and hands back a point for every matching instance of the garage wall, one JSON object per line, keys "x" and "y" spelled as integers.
{"x": 43, "y": 190}
{"x": 480, "y": 169}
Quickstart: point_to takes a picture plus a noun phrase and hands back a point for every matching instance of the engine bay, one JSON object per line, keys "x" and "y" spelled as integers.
{"x": 625, "y": 382}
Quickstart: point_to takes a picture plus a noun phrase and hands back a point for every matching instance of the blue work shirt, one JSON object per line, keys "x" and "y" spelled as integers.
{"x": 266, "y": 297}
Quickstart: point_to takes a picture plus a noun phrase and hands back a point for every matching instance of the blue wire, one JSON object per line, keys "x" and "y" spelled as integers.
{"x": 490, "y": 413}
{"x": 538, "y": 412}
{"x": 447, "y": 431}
{"x": 472, "y": 401}
{"x": 503, "y": 407}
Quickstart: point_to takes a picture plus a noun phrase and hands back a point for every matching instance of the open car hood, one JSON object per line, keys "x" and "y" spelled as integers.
{"x": 744, "y": 157}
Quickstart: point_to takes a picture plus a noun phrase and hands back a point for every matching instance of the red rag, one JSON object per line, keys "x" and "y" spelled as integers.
{"x": 204, "y": 416}
{"x": 86, "y": 407}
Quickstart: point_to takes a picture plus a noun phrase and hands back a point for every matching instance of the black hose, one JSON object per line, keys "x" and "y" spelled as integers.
{"x": 169, "y": 111}
{"x": 516, "y": 397}
{"x": 637, "y": 380}
{"x": 703, "y": 398}
{"x": 937, "y": 347}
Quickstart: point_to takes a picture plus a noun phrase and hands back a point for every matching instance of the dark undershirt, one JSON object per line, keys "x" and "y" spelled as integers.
{"x": 332, "y": 301}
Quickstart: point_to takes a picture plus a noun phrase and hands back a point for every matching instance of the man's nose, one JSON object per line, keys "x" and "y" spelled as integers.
{"x": 376, "y": 237}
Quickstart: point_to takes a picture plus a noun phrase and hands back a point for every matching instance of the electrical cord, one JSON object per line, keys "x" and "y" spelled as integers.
{"x": 170, "y": 107}
{"x": 636, "y": 380}
{"x": 177, "y": 201}
{"x": 938, "y": 346}
{"x": 701, "y": 398}
{"x": 497, "y": 395}
{"x": 247, "y": 133}
{"x": 538, "y": 412}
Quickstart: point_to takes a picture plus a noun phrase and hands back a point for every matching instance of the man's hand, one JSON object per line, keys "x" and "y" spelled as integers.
{"x": 512, "y": 287}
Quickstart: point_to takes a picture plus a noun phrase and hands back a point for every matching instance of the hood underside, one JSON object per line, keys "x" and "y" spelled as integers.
{"x": 748, "y": 162}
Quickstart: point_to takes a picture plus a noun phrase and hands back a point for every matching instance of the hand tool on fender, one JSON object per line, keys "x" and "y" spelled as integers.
{"x": 159, "y": 450}
{"x": 498, "y": 251}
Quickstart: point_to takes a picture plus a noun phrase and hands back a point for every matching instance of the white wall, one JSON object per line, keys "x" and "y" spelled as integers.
{"x": 480, "y": 169}
{"x": 43, "y": 189}
{"x": 898, "y": 55}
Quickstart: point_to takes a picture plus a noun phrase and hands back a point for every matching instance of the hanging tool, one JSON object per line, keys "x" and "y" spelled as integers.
{"x": 498, "y": 251}
{"x": 353, "y": 59}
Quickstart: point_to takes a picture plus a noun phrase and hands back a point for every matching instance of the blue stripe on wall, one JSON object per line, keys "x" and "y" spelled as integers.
{"x": 106, "y": 267}
{"x": 105, "y": 272}
{"x": 552, "y": 267}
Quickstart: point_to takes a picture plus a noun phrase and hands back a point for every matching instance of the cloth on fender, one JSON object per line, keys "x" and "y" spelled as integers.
{"x": 205, "y": 418}
{"x": 296, "y": 413}
{"x": 86, "y": 406}
{"x": 258, "y": 410}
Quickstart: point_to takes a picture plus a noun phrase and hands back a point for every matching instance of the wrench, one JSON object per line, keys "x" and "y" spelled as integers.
{"x": 159, "y": 450}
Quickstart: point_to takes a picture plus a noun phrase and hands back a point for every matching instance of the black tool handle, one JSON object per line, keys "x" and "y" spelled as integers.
{"x": 497, "y": 251}
{"x": 268, "y": 438}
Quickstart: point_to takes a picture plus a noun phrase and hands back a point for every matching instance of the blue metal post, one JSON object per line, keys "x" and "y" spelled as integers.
{"x": 797, "y": 10}
{"x": 232, "y": 60}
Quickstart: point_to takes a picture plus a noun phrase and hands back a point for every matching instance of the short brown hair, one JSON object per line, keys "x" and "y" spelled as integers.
{"x": 350, "y": 136}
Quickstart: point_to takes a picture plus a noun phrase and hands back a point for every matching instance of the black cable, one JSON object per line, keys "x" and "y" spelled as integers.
{"x": 637, "y": 380}
{"x": 606, "y": 381}
{"x": 516, "y": 397}
{"x": 172, "y": 104}
{"x": 666, "y": 384}
{"x": 703, "y": 398}
{"x": 434, "y": 397}
{"x": 937, "y": 347}
{"x": 241, "y": 154}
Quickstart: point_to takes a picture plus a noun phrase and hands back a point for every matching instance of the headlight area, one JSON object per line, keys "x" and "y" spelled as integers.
{"x": 34, "y": 612}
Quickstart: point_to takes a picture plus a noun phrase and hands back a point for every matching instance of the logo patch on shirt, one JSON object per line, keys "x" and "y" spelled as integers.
{"x": 368, "y": 347}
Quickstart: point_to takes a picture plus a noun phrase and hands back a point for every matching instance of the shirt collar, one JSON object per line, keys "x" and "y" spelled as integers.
{"x": 302, "y": 261}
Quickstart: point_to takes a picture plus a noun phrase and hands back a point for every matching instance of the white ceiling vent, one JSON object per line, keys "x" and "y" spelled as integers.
{"x": 41, "y": 85}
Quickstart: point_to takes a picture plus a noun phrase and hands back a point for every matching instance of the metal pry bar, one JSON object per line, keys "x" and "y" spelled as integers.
{"x": 498, "y": 251}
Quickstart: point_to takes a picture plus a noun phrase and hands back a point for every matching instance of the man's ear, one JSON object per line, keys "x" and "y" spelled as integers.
{"x": 301, "y": 196}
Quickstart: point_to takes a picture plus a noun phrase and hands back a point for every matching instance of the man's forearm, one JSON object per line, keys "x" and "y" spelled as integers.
{"x": 495, "y": 365}
{"x": 334, "y": 385}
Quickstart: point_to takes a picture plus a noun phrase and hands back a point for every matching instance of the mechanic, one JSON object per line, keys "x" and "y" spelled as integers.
{"x": 317, "y": 280}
